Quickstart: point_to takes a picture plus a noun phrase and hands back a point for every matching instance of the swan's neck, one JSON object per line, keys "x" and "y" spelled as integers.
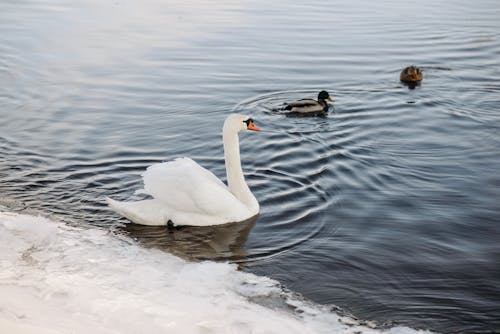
{"x": 235, "y": 178}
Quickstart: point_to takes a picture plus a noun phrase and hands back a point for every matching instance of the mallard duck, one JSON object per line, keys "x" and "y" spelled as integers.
{"x": 310, "y": 105}
{"x": 411, "y": 74}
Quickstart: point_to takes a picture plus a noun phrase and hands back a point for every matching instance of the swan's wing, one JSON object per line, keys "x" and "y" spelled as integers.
{"x": 185, "y": 165}
{"x": 146, "y": 212}
{"x": 301, "y": 104}
{"x": 187, "y": 188}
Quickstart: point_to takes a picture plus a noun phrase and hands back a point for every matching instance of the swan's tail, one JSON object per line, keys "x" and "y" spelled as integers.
{"x": 116, "y": 206}
{"x": 146, "y": 212}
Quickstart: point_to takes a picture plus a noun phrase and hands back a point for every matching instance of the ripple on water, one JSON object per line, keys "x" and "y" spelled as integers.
{"x": 288, "y": 186}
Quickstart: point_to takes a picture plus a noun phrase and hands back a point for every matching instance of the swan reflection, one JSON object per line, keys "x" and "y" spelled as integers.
{"x": 220, "y": 242}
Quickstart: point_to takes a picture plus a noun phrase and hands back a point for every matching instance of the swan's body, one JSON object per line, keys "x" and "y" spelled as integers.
{"x": 184, "y": 193}
{"x": 305, "y": 106}
{"x": 411, "y": 74}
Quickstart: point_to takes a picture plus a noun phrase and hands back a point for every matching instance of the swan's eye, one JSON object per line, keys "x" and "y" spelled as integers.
{"x": 248, "y": 121}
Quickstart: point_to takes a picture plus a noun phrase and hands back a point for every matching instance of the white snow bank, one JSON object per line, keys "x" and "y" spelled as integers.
{"x": 60, "y": 279}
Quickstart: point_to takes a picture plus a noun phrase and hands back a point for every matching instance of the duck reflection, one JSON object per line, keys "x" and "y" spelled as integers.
{"x": 220, "y": 242}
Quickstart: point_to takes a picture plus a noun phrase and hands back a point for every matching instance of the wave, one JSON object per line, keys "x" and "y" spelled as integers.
{"x": 57, "y": 278}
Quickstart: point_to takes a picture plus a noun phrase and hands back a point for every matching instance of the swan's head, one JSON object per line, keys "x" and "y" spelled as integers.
{"x": 237, "y": 123}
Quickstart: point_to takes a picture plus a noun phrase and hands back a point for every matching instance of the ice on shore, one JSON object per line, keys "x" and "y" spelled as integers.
{"x": 56, "y": 278}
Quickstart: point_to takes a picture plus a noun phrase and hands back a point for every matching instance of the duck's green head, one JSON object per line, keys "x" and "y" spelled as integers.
{"x": 323, "y": 95}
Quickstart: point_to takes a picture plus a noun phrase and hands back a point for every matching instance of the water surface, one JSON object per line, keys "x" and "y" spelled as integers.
{"x": 387, "y": 207}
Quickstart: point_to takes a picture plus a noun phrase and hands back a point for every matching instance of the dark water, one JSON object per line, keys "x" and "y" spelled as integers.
{"x": 387, "y": 207}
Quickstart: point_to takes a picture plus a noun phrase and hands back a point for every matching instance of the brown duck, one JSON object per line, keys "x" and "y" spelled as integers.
{"x": 411, "y": 74}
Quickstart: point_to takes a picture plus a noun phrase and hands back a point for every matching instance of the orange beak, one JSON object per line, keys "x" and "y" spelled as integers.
{"x": 253, "y": 127}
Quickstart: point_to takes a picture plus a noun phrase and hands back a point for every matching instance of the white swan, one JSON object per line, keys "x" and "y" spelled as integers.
{"x": 184, "y": 193}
